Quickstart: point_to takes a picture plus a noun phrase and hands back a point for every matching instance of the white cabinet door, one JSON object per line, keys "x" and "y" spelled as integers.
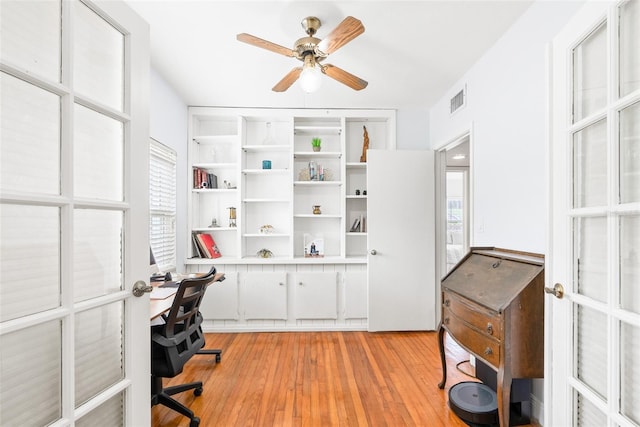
{"x": 401, "y": 258}
{"x": 221, "y": 299}
{"x": 265, "y": 296}
{"x": 316, "y": 295}
{"x": 355, "y": 294}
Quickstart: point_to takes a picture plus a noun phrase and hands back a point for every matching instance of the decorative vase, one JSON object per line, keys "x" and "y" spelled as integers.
{"x": 316, "y": 148}
{"x": 316, "y": 210}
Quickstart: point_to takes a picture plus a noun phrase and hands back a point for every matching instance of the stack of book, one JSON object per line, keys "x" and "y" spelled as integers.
{"x": 205, "y": 245}
{"x": 204, "y": 179}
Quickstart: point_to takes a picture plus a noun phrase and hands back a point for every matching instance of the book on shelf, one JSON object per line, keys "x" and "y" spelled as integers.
{"x": 359, "y": 224}
{"x": 313, "y": 246}
{"x": 196, "y": 247}
{"x": 206, "y": 246}
{"x": 204, "y": 179}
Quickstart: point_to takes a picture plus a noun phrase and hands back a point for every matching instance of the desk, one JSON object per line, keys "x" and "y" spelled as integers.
{"x": 159, "y": 306}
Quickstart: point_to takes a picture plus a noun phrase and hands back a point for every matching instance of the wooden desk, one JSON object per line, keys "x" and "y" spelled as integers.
{"x": 160, "y": 306}
{"x": 493, "y": 306}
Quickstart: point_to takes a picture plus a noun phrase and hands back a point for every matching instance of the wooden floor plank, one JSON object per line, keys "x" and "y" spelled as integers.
{"x": 320, "y": 379}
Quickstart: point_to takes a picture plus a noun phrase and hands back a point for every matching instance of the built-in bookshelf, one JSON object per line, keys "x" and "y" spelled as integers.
{"x": 261, "y": 192}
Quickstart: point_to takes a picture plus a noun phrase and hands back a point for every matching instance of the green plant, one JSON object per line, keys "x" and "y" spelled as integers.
{"x": 315, "y": 142}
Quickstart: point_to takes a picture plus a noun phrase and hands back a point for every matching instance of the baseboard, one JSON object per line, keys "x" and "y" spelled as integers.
{"x": 304, "y": 328}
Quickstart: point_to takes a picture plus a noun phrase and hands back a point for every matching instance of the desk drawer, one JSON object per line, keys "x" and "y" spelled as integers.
{"x": 479, "y": 317}
{"x": 485, "y": 347}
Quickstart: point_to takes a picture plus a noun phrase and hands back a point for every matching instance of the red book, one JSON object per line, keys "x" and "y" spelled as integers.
{"x": 209, "y": 245}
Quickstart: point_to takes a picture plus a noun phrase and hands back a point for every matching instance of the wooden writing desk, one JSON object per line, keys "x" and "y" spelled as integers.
{"x": 159, "y": 306}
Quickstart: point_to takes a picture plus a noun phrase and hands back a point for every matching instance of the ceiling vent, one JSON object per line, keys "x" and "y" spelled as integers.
{"x": 458, "y": 101}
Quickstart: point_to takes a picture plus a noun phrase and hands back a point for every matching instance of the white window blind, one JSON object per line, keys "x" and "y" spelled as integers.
{"x": 162, "y": 204}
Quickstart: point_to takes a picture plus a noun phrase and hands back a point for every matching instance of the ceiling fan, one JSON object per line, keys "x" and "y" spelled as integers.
{"x": 312, "y": 51}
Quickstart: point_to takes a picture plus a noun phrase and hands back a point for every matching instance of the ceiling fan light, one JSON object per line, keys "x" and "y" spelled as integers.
{"x": 311, "y": 76}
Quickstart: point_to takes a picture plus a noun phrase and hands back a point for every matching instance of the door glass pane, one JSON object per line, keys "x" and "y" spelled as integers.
{"x": 98, "y": 155}
{"x": 590, "y": 166}
{"x": 590, "y": 257}
{"x": 99, "y": 58}
{"x": 629, "y": 47}
{"x": 29, "y": 260}
{"x": 591, "y": 348}
{"x": 31, "y": 376}
{"x": 630, "y": 154}
{"x": 109, "y": 414}
{"x": 590, "y": 74}
{"x": 30, "y": 34}
{"x": 97, "y": 245}
{"x": 630, "y": 372}
{"x": 587, "y": 414}
{"x": 30, "y": 128}
{"x": 98, "y": 350}
{"x": 630, "y": 263}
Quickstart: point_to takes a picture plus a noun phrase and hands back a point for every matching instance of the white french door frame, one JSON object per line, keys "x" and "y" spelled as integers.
{"x": 560, "y": 359}
{"x": 135, "y": 119}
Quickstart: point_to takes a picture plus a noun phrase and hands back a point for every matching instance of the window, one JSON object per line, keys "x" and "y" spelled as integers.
{"x": 162, "y": 204}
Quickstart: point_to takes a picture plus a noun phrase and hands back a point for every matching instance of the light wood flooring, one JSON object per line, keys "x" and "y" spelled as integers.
{"x": 320, "y": 379}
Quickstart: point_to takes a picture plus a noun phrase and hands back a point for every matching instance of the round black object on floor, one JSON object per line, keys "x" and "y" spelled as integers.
{"x": 474, "y": 402}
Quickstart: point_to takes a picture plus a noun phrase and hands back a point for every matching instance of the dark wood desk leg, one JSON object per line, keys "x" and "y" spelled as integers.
{"x": 442, "y": 356}
{"x": 504, "y": 396}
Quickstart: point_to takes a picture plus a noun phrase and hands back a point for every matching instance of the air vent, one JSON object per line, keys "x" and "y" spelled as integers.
{"x": 458, "y": 101}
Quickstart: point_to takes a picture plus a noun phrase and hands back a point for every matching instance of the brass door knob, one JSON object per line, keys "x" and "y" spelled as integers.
{"x": 557, "y": 290}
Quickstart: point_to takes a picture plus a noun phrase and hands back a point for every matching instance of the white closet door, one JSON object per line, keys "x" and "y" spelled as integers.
{"x": 401, "y": 278}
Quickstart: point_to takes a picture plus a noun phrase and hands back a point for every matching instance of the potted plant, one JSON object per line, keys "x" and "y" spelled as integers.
{"x": 315, "y": 144}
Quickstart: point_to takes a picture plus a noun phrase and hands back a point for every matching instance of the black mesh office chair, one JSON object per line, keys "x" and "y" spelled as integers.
{"x": 176, "y": 341}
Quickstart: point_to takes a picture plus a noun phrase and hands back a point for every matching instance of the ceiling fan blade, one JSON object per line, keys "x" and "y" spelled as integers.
{"x": 288, "y": 80}
{"x": 344, "y": 77}
{"x": 347, "y": 30}
{"x": 264, "y": 44}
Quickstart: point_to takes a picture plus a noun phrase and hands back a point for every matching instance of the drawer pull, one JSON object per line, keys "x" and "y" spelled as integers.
{"x": 488, "y": 351}
{"x": 447, "y": 303}
{"x": 489, "y": 328}
{"x": 446, "y": 320}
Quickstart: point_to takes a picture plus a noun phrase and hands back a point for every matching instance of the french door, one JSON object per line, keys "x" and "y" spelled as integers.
{"x": 73, "y": 214}
{"x": 595, "y": 219}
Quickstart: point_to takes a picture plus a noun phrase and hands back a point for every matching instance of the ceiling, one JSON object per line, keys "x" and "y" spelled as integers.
{"x": 411, "y": 52}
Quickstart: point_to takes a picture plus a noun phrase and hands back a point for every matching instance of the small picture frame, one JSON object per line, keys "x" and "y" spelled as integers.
{"x": 313, "y": 246}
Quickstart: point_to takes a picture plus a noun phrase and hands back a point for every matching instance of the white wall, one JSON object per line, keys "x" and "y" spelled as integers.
{"x": 169, "y": 125}
{"x": 412, "y": 129}
{"x": 506, "y": 111}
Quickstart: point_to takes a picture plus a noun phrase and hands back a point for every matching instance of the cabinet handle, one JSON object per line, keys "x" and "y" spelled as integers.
{"x": 373, "y": 252}
{"x": 300, "y": 284}
{"x": 281, "y": 284}
{"x": 489, "y": 328}
{"x": 446, "y": 320}
{"x": 488, "y": 351}
{"x": 447, "y": 303}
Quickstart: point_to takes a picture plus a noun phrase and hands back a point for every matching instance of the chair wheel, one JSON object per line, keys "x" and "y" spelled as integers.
{"x": 198, "y": 392}
{"x": 195, "y": 422}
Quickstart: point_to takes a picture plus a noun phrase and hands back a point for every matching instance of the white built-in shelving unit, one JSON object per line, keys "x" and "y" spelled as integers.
{"x": 232, "y": 144}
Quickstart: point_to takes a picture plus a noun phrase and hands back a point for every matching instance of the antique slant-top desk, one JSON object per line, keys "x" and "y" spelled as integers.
{"x": 493, "y": 306}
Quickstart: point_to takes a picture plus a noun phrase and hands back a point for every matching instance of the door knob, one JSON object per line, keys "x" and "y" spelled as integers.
{"x": 373, "y": 252}
{"x": 557, "y": 290}
{"x": 139, "y": 288}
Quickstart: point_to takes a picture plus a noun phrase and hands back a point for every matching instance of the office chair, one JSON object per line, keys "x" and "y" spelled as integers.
{"x": 176, "y": 341}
